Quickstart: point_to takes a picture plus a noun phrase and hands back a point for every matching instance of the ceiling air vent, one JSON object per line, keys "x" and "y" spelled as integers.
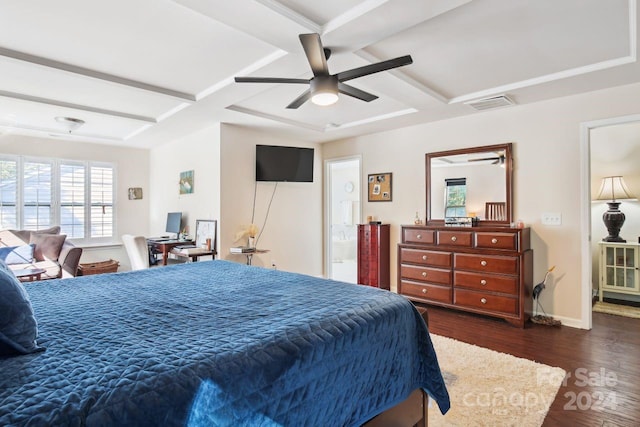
{"x": 489, "y": 103}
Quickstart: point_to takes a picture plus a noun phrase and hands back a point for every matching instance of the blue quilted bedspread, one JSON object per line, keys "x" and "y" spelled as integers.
{"x": 219, "y": 344}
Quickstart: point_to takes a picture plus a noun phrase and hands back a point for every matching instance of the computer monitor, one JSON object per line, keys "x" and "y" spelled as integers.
{"x": 174, "y": 223}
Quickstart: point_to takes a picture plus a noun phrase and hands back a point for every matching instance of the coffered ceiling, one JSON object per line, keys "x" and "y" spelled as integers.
{"x": 144, "y": 72}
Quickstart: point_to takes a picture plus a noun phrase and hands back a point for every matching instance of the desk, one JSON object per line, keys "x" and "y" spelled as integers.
{"x": 194, "y": 254}
{"x": 29, "y": 274}
{"x": 164, "y": 247}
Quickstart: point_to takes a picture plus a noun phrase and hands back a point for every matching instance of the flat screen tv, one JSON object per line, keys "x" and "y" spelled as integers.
{"x": 279, "y": 163}
{"x": 174, "y": 222}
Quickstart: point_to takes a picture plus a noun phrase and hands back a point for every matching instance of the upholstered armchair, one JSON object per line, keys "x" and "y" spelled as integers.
{"x": 50, "y": 251}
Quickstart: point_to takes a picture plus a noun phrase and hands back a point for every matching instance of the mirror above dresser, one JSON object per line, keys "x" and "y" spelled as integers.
{"x": 473, "y": 182}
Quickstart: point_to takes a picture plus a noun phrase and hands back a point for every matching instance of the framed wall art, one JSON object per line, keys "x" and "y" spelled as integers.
{"x": 135, "y": 193}
{"x": 186, "y": 182}
{"x": 379, "y": 187}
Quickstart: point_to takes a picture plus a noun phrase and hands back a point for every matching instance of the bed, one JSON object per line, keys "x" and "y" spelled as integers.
{"x": 220, "y": 344}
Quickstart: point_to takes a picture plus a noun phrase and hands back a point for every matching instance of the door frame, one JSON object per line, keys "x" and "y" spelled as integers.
{"x": 328, "y": 205}
{"x": 585, "y": 215}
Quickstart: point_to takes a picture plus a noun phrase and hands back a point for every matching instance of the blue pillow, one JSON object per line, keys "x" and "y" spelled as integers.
{"x": 18, "y": 325}
{"x": 17, "y": 254}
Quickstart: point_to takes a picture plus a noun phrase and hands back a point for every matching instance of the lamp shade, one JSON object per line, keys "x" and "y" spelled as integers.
{"x": 614, "y": 188}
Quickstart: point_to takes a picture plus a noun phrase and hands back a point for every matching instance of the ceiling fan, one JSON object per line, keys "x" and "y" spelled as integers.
{"x": 499, "y": 159}
{"x": 323, "y": 86}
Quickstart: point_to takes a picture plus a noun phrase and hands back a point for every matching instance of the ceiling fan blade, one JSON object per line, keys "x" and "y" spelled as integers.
{"x": 484, "y": 159}
{"x": 315, "y": 53}
{"x": 269, "y": 80}
{"x": 300, "y": 100}
{"x": 355, "y": 92}
{"x": 374, "y": 68}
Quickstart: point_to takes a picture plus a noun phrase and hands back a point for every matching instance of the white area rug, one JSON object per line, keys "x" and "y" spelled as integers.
{"x": 488, "y": 388}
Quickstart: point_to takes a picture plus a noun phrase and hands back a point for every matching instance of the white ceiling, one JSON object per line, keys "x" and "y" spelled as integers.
{"x": 144, "y": 72}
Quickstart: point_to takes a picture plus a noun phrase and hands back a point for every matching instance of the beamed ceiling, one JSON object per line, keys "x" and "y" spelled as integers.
{"x": 144, "y": 72}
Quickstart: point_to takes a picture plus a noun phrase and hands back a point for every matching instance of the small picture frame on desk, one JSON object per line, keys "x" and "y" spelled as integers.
{"x": 206, "y": 231}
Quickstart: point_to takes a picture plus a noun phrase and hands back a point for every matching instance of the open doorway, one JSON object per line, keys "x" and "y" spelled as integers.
{"x": 615, "y": 154}
{"x": 611, "y": 148}
{"x": 343, "y": 213}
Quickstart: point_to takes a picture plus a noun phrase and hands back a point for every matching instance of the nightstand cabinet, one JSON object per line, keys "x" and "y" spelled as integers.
{"x": 485, "y": 270}
{"x": 619, "y": 265}
{"x": 373, "y": 255}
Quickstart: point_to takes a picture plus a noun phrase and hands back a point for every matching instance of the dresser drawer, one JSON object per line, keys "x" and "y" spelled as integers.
{"x": 488, "y": 263}
{"x": 485, "y": 301}
{"x": 417, "y": 235}
{"x": 426, "y": 274}
{"x": 426, "y": 291}
{"x": 497, "y": 240}
{"x": 455, "y": 238}
{"x": 420, "y": 256}
{"x": 486, "y": 282}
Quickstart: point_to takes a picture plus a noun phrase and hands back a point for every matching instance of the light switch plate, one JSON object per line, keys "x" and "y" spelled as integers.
{"x": 552, "y": 218}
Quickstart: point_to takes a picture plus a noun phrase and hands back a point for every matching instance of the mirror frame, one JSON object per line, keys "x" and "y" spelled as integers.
{"x": 508, "y": 164}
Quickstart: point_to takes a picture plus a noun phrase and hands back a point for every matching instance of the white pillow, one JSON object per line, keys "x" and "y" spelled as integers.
{"x": 17, "y": 254}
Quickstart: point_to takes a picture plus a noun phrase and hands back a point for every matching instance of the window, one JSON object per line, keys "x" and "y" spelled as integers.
{"x": 8, "y": 193}
{"x": 39, "y": 193}
{"x": 72, "y": 197}
{"x": 101, "y": 201}
{"x": 455, "y": 197}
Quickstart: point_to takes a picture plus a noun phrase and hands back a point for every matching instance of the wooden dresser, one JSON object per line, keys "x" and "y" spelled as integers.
{"x": 373, "y": 255}
{"x": 486, "y": 270}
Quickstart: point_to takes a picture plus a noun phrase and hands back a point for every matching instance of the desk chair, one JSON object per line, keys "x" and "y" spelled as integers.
{"x": 137, "y": 251}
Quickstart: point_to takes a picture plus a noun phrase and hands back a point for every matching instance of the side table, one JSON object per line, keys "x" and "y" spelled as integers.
{"x": 193, "y": 253}
{"x": 250, "y": 255}
{"x": 29, "y": 274}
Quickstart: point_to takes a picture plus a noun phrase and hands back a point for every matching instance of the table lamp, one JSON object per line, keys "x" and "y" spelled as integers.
{"x": 613, "y": 189}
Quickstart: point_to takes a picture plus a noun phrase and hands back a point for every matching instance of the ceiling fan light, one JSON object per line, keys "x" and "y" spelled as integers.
{"x": 324, "y": 90}
{"x": 324, "y": 98}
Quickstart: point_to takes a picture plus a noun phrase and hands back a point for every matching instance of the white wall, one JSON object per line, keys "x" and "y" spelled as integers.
{"x": 132, "y": 171}
{"x": 199, "y": 152}
{"x": 293, "y": 231}
{"x": 546, "y": 138}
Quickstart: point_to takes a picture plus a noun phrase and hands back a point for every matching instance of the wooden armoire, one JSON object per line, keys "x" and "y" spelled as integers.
{"x": 373, "y": 255}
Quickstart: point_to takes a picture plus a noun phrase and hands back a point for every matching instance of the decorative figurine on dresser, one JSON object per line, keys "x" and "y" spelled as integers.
{"x": 485, "y": 267}
{"x": 373, "y": 255}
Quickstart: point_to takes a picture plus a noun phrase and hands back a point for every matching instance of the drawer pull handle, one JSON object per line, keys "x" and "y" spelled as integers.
{"x": 424, "y": 257}
{"x": 424, "y": 274}
{"x": 424, "y": 290}
{"x": 483, "y": 263}
{"x": 494, "y": 240}
{"x": 483, "y": 282}
{"x": 483, "y": 300}
{"x": 454, "y": 238}
{"x": 419, "y": 236}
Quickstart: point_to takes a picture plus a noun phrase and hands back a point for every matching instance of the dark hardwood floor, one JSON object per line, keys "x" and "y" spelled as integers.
{"x": 603, "y": 385}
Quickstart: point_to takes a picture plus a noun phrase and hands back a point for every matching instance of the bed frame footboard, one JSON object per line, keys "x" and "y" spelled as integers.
{"x": 408, "y": 413}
